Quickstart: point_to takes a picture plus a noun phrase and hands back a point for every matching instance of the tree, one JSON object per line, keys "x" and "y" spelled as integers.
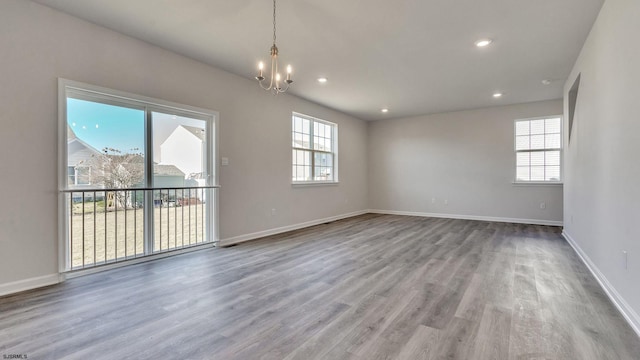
{"x": 115, "y": 169}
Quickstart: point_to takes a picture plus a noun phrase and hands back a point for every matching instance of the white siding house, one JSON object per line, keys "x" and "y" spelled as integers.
{"x": 79, "y": 156}
{"x": 185, "y": 149}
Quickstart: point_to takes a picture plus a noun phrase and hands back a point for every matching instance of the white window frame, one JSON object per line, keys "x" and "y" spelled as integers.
{"x": 149, "y": 104}
{"x": 333, "y": 152}
{"x": 560, "y": 149}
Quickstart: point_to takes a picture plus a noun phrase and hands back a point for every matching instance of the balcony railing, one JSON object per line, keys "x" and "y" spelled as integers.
{"x": 110, "y": 225}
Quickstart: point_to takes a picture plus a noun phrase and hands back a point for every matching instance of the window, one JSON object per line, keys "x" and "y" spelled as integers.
{"x": 79, "y": 175}
{"x": 314, "y": 150}
{"x": 137, "y": 174}
{"x": 538, "y": 146}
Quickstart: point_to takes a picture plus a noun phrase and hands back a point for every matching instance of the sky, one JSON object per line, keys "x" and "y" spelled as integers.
{"x": 102, "y": 125}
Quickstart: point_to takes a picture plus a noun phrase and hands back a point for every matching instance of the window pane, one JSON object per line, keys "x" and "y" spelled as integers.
{"x": 552, "y": 158}
{"x": 301, "y": 140}
{"x": 522, "y": 173}
{"x": 329, "y": 132}
{"x": 552, "y": 125}
{"x": 322, "y": 137}
{"x": 317, "y": 143}
{"x": 71, "y": 175}
{"x": 303, "y": 173}
{"x": 322, "y": 159}
{"x": 301, "y": 157}
{"x": 537, "y": 127}
{"x": 522, "y": 143}
{"x": 522, "y": 159}
{"x": 307, "y": 173}
{"x": 301, "y": 165}
{"x": 323, "y": 174}
{"x": 323, "y": 167}
{"x": 537, "y": 142}
{"x": 178, "y": 144}
{"x": 552, "y": 173}
{"x": 107, "y": 139}
{"x": 83, "y": 176}
{"x": 552, "y": 141}
{"x": 297, "y": 127}
{"x": 537, "y": 173}
{"x": 522, "y": 127}
{"x": 537, "y": 158}
{"x": 306, "y": 126}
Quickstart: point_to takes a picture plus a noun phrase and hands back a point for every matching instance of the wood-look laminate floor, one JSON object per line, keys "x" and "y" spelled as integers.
{"x": 368, "y": 287}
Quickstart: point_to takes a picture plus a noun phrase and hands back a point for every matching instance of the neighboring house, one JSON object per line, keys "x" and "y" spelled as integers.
{"x": 185, "y": 149}
{"x": 82, "y": 171}
{"x": 167, "y": 176}
{"x": 79, "y": 159}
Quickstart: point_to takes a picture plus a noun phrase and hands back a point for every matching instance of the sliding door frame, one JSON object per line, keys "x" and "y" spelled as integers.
{"x": 149, "y": 105}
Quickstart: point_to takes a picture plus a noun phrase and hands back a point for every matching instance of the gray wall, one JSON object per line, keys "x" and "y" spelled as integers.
{"x": 602, "y": 191}
{"x": 38, "y": 45}
{"x": 466, "y": 158}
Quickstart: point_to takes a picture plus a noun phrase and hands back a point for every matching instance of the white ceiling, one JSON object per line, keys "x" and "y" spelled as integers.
{"x": 412, "y": 56}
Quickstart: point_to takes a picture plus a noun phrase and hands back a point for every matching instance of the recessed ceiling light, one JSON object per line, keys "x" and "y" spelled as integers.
{"x": 385, "y": 110}
{"x": 483, "y": 42}
{"x": 546, "y": 82}
{"x": 497, "y": 95}
{"x": 322, "y": 80}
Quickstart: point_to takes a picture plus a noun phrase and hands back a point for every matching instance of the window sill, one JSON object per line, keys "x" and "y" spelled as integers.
{"x": 537, "y": 183}
{"x": 314, "y": 183}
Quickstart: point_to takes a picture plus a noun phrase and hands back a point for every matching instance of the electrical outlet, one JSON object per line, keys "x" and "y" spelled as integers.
{"x": 625, "y": 259}
{"x": 446, "y": 201}
{"x": 273, "y": 212}
{"x": 543, "y": 205}
{"x": 224, "y": 161}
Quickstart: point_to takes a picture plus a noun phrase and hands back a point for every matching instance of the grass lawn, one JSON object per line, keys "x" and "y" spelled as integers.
{"x": 118, "y": 235}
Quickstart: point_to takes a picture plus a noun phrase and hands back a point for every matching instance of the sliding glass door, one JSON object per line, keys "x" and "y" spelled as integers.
{"x": 179, "y": 173}
{"x": 139, "y": 176}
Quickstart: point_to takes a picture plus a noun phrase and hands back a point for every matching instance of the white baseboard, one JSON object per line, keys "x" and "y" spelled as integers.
{"x": 627, "y": 311}
{"x": 28, "y": 284}
{"x": 469, "y": 217}
{"x": 260, "y": 234}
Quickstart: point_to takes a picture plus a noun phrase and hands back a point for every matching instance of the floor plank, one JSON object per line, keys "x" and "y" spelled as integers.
{"x": 368, "y": 287}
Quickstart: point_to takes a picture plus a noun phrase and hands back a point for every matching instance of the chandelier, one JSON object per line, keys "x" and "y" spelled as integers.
{"x": 275, "y": 81}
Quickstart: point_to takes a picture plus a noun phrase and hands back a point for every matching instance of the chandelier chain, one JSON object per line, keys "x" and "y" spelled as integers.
{"x": 274, "y": 22}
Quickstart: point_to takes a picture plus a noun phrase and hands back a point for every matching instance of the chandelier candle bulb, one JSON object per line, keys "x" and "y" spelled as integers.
{"x": 288, "y": 73}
